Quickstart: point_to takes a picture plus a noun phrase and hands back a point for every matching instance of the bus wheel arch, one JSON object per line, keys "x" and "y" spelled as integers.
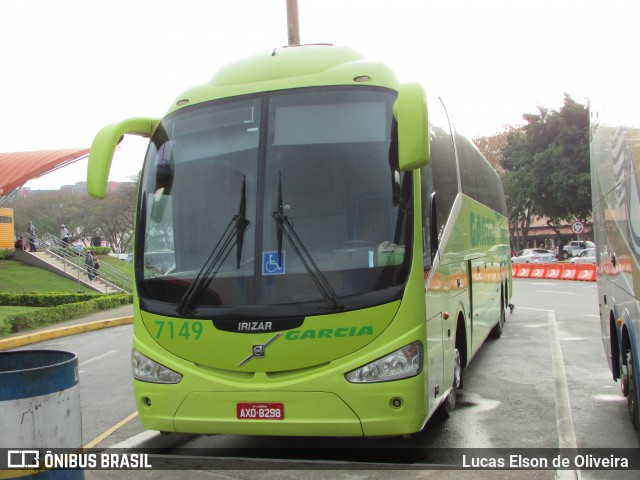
{"x": 461, "y": 340}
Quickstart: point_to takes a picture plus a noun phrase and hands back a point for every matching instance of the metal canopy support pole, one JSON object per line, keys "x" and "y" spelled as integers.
{"x": 293, "y": 25}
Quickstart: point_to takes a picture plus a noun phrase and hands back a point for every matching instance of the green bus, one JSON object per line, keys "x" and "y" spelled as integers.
{"x": 314, "y": 254}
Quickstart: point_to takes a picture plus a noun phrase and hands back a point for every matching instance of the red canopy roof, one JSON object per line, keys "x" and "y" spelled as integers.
{"x": 16, "y": 169}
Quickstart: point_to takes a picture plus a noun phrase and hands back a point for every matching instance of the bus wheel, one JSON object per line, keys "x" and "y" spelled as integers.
{"x": 496, "y": 331}
{"x": 449, "y": 403}
{"x": 624, "y": 376}
{"x": 632, "y": 398}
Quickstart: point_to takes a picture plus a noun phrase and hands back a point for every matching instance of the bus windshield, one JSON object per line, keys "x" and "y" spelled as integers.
{"x": 226, "y": 182}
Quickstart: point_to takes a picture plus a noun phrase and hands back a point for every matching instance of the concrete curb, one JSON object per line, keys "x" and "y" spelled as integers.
{"x": 29, "y": 338}
{"x": 154, "y": 439}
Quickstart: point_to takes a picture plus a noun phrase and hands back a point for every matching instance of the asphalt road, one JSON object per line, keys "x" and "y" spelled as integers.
{"x": 544, "y": 384}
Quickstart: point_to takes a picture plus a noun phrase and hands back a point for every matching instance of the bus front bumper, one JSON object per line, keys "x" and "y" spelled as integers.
{"x": 371, "y": 410}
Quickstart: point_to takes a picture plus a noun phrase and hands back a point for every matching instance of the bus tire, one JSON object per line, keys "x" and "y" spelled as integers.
{"x": 496, "y": 331}
{"x": 632, "y": 397}
{"x": 623, "y": 375}
{"x": 449, "y": 403}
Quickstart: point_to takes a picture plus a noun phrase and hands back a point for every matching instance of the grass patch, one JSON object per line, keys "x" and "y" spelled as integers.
{"x": 123, "y": 267}
{"x": 18, "y": 277}
{"x": 22, "y": 279}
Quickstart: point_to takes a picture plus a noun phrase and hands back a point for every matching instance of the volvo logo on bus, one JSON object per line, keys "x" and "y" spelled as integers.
{"x": 257, "y": 351}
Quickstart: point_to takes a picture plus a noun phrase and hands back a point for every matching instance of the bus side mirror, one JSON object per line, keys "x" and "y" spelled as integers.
{"x": 413, "y": 127}
{"x": 165, "y": 169}
{"x": 104, "y": 145}
{"x": 433, "y": 227}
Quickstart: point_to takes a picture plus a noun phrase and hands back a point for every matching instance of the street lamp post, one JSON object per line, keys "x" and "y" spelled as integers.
{"x": 293, "y": 25}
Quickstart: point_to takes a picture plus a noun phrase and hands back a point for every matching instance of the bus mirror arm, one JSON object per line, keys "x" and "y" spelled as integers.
{"x": 104, "y": 145}
{"x": 433, "y": 227}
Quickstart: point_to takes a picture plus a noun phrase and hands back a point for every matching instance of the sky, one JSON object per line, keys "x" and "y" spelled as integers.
{"x": 72, "y": 66}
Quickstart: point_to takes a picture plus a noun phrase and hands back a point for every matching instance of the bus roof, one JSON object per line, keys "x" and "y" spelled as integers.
{"x": 290, "y": 67}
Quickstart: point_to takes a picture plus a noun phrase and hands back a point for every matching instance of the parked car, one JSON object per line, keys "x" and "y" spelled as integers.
{"x": 576, "y": 247}
{"x": 534, "y": 255}
{"x": 587, "y": 256}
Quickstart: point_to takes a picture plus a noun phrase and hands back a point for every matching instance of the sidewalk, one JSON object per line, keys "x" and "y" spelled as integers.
{"x": 104, "y": 319}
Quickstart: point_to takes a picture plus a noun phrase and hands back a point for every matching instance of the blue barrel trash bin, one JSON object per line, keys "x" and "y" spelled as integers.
{"x": 40, "y": 406}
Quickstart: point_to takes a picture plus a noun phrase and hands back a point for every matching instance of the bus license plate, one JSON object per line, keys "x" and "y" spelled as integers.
{"x": 260, "y": 411}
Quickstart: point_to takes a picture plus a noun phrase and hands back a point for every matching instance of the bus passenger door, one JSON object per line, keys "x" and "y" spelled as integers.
{"x": 473, "y": 308}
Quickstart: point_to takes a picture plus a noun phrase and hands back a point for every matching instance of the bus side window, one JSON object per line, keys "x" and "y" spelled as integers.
{"x": 478, "y": 178}
{"x": 430, "y": 231}
{"x": 443, "y": 165}
{"x": 439, "y": 179}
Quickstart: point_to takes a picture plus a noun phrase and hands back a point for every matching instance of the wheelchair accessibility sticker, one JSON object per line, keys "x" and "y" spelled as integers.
{"x": 270, "y": 264}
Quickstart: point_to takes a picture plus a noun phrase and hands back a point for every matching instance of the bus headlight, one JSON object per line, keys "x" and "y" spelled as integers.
{"x": 146, "y": 370}
{"x": 403, "y": 363}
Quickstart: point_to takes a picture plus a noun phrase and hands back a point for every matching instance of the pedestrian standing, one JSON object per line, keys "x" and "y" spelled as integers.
{"x": 32, "y": 232}
{"x": 64, "y": 235}
{"x": 88, "y": 263}
{"x": 96, "y": 264}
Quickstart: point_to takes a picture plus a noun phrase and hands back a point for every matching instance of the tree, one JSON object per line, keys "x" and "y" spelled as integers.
{"x": 492, "y": 147}
{"x": 547, "y": 165}
{"x": 50, "y": 209}
{"x": 112, "y": 218}
{"x": 516, "y": 185}
{"x": 117, "y": 217}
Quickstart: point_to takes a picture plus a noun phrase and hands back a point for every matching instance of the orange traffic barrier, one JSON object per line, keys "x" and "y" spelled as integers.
{"x": 493, "y": 274}
{"x": 586, "y": 272}
{"x": 625, "y": 264}
{"x": 477, "y": 275}
{"x": 607, "y": 268}
{"x": 457, "y": 280}
{"x": 554, "y": 270}
{"x": 436, "y": 282}
{"x": 569, "y": 271}
{"x": 538, "y": 270}
{"x": 524, "y": 270}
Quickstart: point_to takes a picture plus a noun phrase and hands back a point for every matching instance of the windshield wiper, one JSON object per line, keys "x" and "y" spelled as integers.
{"x": 233, "y": 235}
{"x": 286, "y": 228}
{"x": 242, "y": 223}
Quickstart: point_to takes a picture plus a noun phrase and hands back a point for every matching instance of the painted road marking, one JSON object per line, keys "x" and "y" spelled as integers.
{"x": 564, "y": 419}
{"x": 108, "y": 432}
{"x": 99, "y": 357}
